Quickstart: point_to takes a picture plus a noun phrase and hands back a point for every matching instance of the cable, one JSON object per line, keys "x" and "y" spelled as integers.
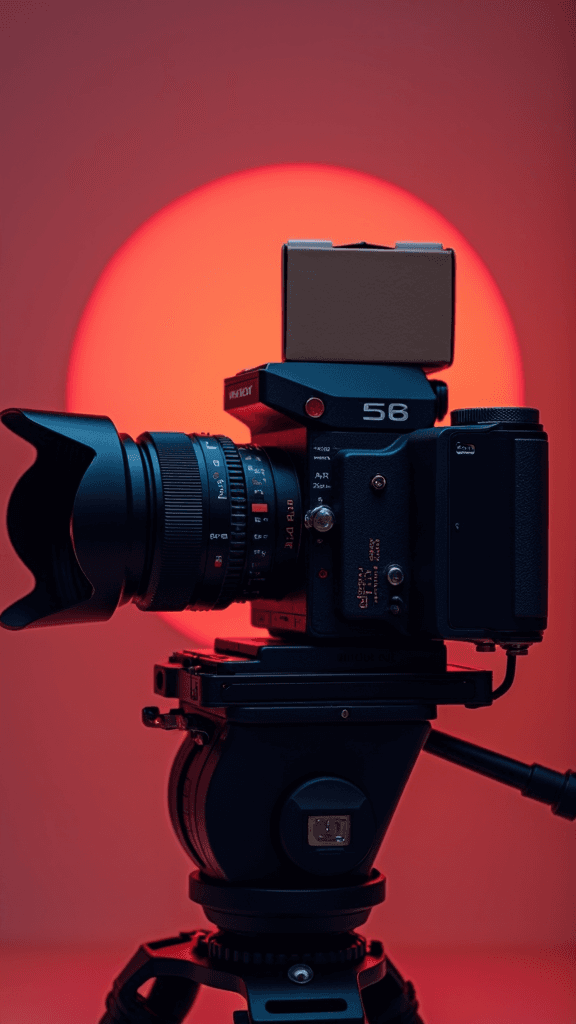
{"x": 508, "y": 678}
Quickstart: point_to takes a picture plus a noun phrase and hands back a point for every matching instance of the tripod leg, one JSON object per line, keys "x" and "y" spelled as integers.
{"x": 391, "y": 1000}
{"x": 169, "y": 1000}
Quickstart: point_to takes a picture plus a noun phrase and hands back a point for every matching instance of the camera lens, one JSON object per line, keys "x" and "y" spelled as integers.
{"x": 222, "y": 521}
{"x": 169, "y": 521}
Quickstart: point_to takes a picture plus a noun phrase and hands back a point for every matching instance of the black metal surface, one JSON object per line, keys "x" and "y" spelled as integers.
{"x": 255, "y": 395}
{"x": 457, "y": 687}
{"x": 258, "y": 910}
{"x": 368, "y": 682}
{"x": 269, "y": 746}
{"x": 226, "y": 797}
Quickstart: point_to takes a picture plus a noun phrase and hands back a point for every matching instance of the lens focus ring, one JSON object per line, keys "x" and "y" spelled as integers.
{"x": 237, "y": 544}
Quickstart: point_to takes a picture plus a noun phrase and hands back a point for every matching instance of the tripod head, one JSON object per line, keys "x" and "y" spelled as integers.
{"x": 294, "y": 760}
{"x": 337, "y": 730}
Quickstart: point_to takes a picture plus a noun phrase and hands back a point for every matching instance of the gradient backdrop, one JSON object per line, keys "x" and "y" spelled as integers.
{"x": 114, "y": 110}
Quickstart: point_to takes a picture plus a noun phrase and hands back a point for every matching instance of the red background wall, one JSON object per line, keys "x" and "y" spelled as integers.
{"x": 113, "y": 110}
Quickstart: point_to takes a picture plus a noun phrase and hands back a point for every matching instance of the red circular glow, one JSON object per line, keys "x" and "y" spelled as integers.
{"x": 193, "y": 296}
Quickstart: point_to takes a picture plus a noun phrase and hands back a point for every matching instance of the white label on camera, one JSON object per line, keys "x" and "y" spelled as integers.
{"x": 240, "y": 393}
{"x": 397, "y": 411}
{"x": 378, "y": 410}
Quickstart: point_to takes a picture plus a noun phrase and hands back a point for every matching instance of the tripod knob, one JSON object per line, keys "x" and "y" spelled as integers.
{"x": 174, "y": 719}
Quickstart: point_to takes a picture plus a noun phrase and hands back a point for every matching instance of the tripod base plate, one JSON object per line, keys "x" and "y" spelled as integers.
{"x": 367, "y": 989}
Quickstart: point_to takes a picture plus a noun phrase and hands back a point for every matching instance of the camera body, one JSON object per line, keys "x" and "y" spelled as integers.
{"x": 348, "y": 516}
{"x": 410, "y": 532}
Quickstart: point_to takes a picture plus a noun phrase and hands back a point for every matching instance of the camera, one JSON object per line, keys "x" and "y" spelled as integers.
{"x": 349, "y": 516}
{"x": 364, "y": 536}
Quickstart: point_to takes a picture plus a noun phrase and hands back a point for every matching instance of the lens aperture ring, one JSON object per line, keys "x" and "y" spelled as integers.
{"x": 237, "y": 542}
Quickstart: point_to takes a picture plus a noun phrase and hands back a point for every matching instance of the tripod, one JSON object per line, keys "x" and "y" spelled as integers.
{"x": 294, "y": 761}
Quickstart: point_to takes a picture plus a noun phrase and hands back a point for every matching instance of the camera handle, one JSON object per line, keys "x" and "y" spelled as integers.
{"x": 533, "y": 780}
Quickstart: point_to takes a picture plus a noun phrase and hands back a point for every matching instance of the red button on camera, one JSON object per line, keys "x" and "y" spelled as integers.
{"x": 314, "y": 407}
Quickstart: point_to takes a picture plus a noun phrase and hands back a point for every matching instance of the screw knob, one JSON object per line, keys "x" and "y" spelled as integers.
{"x": 378, "y": 482}
{"x": 301, "y": 974}
{"x": 320, "y": 518}
{"x": 395, "y": 575}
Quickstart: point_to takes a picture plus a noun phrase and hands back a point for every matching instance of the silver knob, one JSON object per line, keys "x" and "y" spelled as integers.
{"x": 301, "y": 974}
{"x": 320, "y": 518}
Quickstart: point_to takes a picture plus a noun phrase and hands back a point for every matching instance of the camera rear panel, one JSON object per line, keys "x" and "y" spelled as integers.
{"x": 496, "y": 530}
{"x": 480, "y": 532}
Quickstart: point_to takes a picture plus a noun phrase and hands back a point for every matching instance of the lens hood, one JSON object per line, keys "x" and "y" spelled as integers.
{"x": 68, "y": 518}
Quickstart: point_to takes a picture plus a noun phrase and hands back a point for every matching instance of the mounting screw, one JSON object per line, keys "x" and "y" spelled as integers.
{"x": 344, "y": 713}
{"x": 517, "y": 649}
{"x": 322, "y": 573}
{"x": 396, "y": 606}
{"x": 301, "y": 974}
{"x": 378, "y": 482}
{"x": 395, "y": 576}
{"x": 314, "y": 407}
